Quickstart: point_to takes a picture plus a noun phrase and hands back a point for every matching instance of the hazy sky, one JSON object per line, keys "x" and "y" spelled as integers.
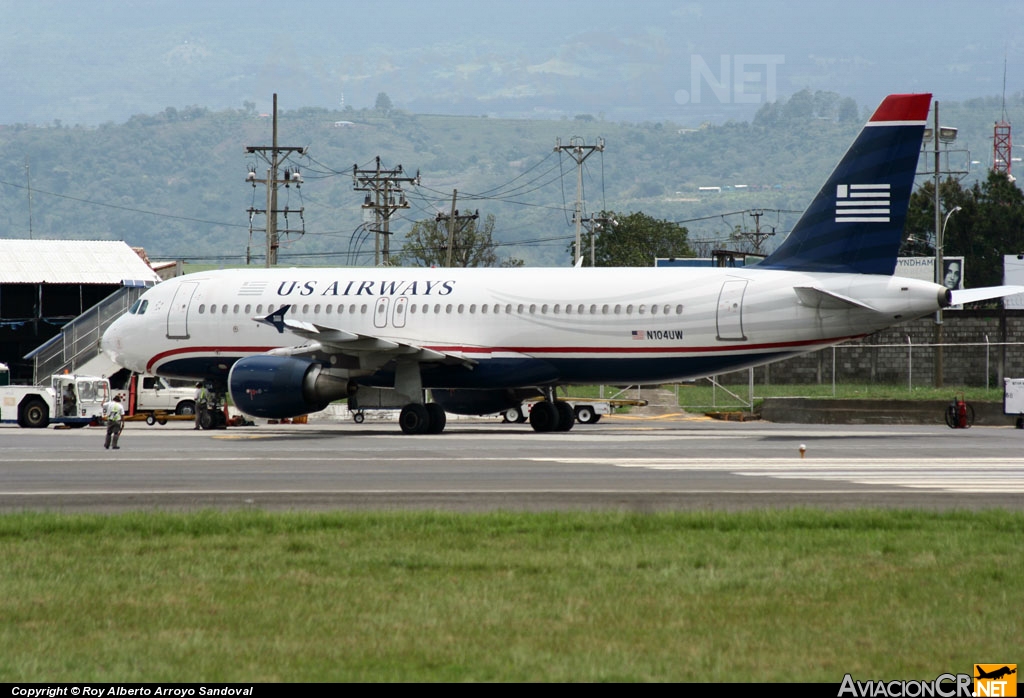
{"x": 104, "y": 60}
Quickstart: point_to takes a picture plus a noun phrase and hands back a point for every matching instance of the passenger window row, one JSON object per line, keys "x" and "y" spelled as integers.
{"x": 461, "y": 309}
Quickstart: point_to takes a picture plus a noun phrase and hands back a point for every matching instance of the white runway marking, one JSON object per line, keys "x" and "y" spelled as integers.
{"x": 1003, "y": 475}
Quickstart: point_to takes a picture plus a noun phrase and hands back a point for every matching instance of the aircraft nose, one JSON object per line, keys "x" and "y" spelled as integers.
{"x": 110, "y": 341}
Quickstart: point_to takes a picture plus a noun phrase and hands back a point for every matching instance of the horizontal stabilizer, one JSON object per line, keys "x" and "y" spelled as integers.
{"x": 820, "y": 298}
{"x": 973, "y": 295}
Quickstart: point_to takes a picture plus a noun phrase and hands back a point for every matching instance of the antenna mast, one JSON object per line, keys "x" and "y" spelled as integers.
{"x": 1002, "y": 140}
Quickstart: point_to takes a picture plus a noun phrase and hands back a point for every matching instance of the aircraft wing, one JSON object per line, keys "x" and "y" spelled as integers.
{"x": 333, "y": 339}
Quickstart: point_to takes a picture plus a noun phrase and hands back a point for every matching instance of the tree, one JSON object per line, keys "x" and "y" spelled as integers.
{"x": 636, "y": 241}
{"x": 848, "y": 112}
{"x": 426, "y": 244}
{"x": 989, "y": 224}
{"x": 383, "y": 103}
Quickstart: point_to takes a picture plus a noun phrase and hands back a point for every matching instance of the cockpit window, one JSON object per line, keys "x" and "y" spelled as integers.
{"x": 139, "y": 307}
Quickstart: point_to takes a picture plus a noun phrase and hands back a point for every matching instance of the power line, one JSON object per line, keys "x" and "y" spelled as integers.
{"x": 37, "y": 191}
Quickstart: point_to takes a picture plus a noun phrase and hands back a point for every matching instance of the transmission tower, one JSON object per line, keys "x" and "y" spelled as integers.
{"x": 384, "y": 184}
{"x": 275, "y": 156}
{"x": 1002, "y": 142}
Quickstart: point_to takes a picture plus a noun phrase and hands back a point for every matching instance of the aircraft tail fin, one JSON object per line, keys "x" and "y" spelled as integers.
{"x": 855, "y": 223}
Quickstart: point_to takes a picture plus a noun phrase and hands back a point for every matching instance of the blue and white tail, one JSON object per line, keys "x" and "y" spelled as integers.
{"x": 855, "y": 223}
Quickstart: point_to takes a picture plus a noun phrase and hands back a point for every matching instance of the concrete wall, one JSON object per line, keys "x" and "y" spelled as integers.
{"x": 795, "y": 410}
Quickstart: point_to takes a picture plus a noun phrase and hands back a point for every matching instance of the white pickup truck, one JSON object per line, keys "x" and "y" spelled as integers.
{"x": 157, "y": 397}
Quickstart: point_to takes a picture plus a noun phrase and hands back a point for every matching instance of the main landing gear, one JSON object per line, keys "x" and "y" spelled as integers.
{"x": 418, "y": 416}
{"x": 551, "y": 414}
{"x": 428, "y": 418}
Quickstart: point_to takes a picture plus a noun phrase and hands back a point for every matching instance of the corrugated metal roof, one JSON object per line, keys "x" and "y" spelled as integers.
{"x": 72, "y": 262}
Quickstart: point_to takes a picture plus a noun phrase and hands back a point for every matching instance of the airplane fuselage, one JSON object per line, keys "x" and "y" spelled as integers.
{"x": 519, "y": 327}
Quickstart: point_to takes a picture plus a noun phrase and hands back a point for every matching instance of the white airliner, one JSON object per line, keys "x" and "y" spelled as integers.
{"x": 286, "y": 342}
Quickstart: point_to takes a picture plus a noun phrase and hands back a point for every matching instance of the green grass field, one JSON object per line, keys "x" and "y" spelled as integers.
{"x": 762, "y": 596}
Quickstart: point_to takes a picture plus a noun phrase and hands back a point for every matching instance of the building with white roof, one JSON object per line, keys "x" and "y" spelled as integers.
{"x": 44, "y": 284}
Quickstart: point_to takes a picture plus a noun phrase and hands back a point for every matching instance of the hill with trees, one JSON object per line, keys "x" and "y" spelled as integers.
{"x": 174, "y": 182}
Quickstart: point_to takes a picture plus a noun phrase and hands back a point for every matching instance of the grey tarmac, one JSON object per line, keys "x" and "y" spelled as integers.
{"x": 485, "y": 465}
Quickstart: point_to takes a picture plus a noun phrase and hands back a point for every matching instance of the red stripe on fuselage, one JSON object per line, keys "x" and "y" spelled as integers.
{"x": 536, "y": 351}
{"x": 203, "y": 350}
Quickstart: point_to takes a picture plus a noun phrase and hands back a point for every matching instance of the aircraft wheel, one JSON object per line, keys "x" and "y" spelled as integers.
{"x": 586, "y": 414}
{"x": 206, "y": 420}
{"x": 358, "y": 417}
{"x": 566, "y": 417}
{"x": 544, "y": 417}
{"x": 438, "y": 419}
{"x": 414, "y": 419}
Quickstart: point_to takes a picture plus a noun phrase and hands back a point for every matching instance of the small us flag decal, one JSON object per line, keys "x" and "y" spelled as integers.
{"x": 862, "y": 203}
{"x": 252, "y": 288}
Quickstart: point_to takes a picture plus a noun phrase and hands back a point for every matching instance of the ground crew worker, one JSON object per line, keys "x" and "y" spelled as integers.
{"x": 115, "y": 422}
{"x": 202, "y": 401}
{"x": 68, "y": 398}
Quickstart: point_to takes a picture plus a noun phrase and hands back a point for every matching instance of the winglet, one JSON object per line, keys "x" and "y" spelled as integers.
{"x": 275, "y": 319}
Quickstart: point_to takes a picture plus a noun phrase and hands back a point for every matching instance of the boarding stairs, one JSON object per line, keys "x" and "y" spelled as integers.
{"x": 76, "y": 349}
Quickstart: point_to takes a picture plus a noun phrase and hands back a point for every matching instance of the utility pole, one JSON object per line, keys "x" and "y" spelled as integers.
{"x": 455, "y": 221}
{"x": 940, "y": 138}
{"x": 939, "y": 367}
{"x": 595, "y": 224}
{"x": 275, "y": 156}
{"x": 757, "y": 237}
{"x": 384, "y": 184}
{"x": 579, "y": 152}
{"x": 28, "y": 184}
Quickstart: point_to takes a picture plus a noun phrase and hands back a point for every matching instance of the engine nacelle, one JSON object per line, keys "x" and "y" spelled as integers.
{"x": 480, "y": 401}
{"x": 278, "y": 387}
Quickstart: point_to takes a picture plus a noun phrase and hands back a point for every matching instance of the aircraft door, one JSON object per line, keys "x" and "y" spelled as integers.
{"x": 177, "y": 312}
{"x": 730, "y": 310}
{"x": 380, "y": 312}
{"x": 398, "y": 316}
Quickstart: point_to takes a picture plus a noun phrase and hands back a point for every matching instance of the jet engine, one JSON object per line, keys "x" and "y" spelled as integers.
{"x": 480, "y": 401}
{"x": 278, "y": 387}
